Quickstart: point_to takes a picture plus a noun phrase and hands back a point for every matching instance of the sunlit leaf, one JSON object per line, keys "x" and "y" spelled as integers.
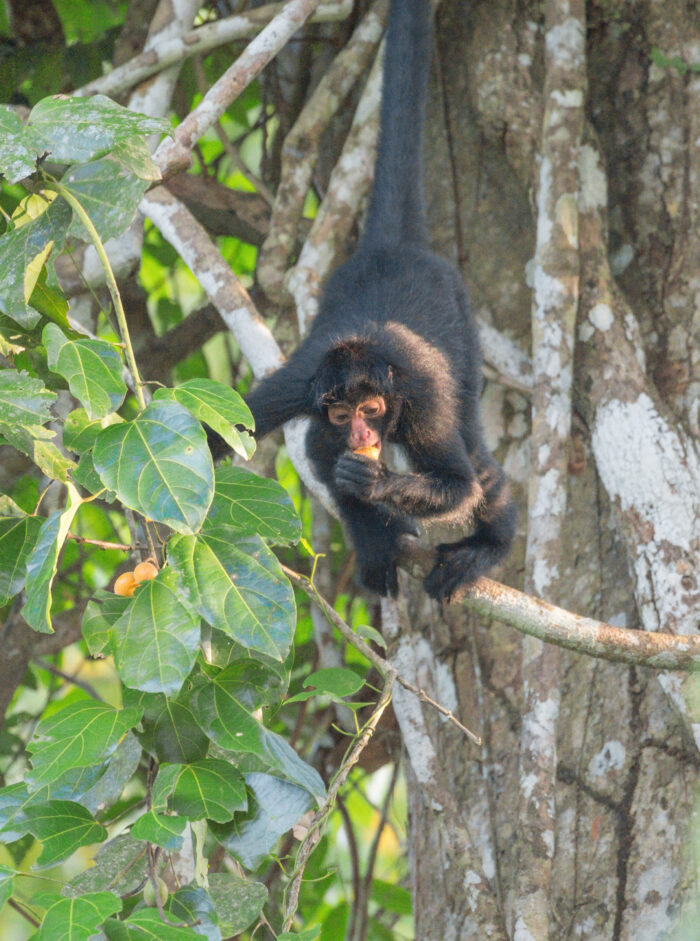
{"x": 92, "y": 368}
{"x": 77, "y": 736}
{"x": 237, "y": 586}
{"x": 253, "y": 505}
{"x": 159, "y": 465}
{"x": 43, "y": 562}
{"x": 18, "y": 248}
{"x": 218, "y": 406}
{"x": 156, "y": 639}
{"x": 17, "y": 160}
{"x": 75, "y": 130}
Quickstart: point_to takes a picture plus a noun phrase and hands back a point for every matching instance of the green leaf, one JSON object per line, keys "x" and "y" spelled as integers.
{"x": 79, "y": 735}
{"x": 309, "y": 934}
{"x": 276, "y": 807}
{"x": 224, "y": 707}
{"x": 393, "y": 898}
{"x": 24, "y": 407}
{"x": 209, "y": 788}
{"x": 161, "y": 830}
{"x": 17, "y": 160}
{"x": 170, "y": 731}
{"x": 92, "y": 368}
{"x": 18, "y": 249}
{"x": 367, "y": 632}
{"x": 80, "y": 431}
{"x": 120, "y": 867}
{"x": 49, "y": 301}
{"x": 23, "y": 401}
{"x": 136, "y": 156}
{"x": 18, "y": 537}
{"x": 237, "y": 586}
{"x": 238, "y": 902}
{"x": 121, "y": 768}
{"x": 43, "y": 563}
{"x": 77, "y": 919}
{"x": 12, "y": 800}
{"x": 101, "y": 613}
{"x": 146, "y": 925}
{"x": 253, "y": 505}
{"x": 338, "y": 681}
{"x": 62, "y": 827}
{"x": 110, "y": 194}
{"x": 194, "y": 906}
{"x": 217, "y": 406}
{"x": 159, "y": 464}
{"x": 7, "y": 876}
{"x": 157, "y": 638}
{"x": 76, "y": 130}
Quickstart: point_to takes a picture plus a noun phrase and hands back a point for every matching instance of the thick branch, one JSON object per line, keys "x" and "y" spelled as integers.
{"x": 554, "y": 625}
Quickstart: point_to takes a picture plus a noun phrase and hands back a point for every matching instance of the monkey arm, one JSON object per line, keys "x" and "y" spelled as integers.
{"x": 279, "y": 397}
{"x": 442, "y": 489}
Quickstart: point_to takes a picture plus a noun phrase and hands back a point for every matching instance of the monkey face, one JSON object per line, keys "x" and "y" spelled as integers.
{"x": 362, "y": 424}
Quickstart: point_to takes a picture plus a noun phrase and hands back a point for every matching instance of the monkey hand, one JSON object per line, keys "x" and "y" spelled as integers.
{"x": 359, "y": 476}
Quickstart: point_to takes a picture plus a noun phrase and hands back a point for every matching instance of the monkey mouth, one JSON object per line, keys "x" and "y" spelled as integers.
{"x": 370, "y": 450}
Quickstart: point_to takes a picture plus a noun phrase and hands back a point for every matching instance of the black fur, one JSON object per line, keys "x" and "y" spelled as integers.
{"x": 394, "y": 321}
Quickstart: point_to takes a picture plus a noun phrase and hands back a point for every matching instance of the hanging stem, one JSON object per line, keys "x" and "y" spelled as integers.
{"x": 111, "y": 284}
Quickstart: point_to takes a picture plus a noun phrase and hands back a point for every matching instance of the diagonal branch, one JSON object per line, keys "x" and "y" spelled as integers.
{"x": 199, "y": 41}
{"x": 176, "y": 154}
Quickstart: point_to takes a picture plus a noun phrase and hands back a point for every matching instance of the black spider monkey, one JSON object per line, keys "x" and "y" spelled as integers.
{"x": 393, "y": 355}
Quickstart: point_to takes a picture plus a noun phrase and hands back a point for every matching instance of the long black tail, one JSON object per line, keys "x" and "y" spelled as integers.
{"x": 396, "y": 210}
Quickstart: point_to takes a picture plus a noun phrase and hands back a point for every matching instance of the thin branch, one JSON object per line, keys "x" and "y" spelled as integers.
{"x": 199, "y": 41}
{"x": 173, "y": 155}
{"x": 321, "y": 815}
{"x": 383, "y": 666}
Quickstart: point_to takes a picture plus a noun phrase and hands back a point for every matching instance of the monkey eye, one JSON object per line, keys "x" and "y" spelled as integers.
{"x": 339, "y": 415}
{"x": 373, "y": 408}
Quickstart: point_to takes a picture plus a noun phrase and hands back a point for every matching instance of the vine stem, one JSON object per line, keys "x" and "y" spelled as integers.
{"x": 111, "y": 284}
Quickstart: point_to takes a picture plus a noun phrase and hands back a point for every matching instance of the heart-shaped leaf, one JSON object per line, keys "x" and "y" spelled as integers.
{"x": 159, "y": 465}
{"x": 92, "y": 368}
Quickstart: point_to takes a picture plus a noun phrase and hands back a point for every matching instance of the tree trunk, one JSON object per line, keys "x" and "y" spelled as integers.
{"x": 624, "y": 759}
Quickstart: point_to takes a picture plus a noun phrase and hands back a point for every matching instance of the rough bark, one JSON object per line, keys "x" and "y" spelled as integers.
{"x": 626, "y": 767}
